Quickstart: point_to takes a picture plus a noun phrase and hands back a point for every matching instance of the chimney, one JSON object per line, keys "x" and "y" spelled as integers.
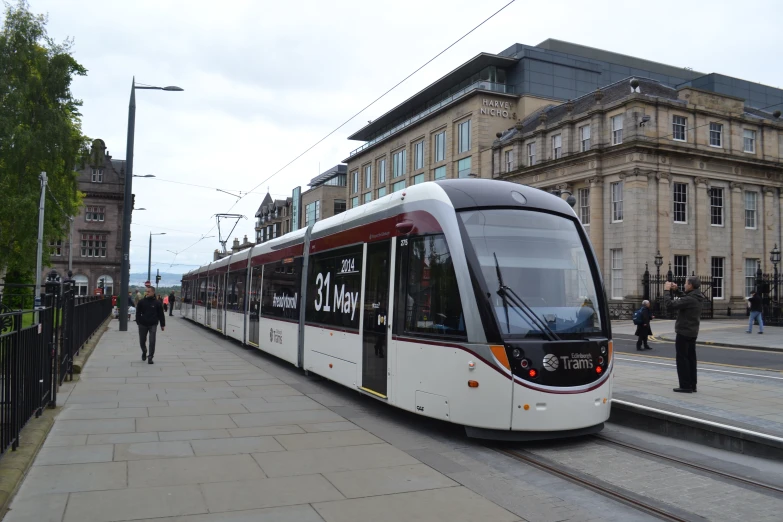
{"x": 244, "y": 241}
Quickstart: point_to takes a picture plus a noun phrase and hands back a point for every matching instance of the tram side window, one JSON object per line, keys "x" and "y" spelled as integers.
{"x": 255, "y": 292}
{"x": 334, "y": 283}
{"x": 282, "y": 282}
{"x": 202, "y": 292}
{"x": 432, "y": 302}
{"x": 235, "y": 292}
{"x": 211, "y": 301}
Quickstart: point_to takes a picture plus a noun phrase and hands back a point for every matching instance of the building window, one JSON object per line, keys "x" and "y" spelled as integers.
{"x": 367, "y": 197}
{"x": 259, "y": 236}
{"x": 531, "y": 154}
{"x": 584, "y": 206}
{"x": 509, "y": 160}
{"x": 97, "y": 175}
{"x": 584, "y": 138}
{"x": 274, "y": 230}
{"x": 398, "y": 164}
{"x": 338, "y": 181}
{"x": 419, "y": 178}
{"x": 418, "y": 155}
{"x": 617, "y": 129}
{"x": 463, "y": 167}
{"x": 717, "y": 277}
{"x": 398, "y": 186}
{"x": 355, "y": 202}
{"x": 716, "y": 207}
{"x": 464, "y": 137}
{"x": 617, "y": 273}
{"x": 749, "y": 140}
{"x": 354, "y": 181}
{"x": 56, "y": 248}
{"x": 95, "y": 214}
{"x": 680, "y": 203}
{"x": 751, "y": 265}
{"x": 367, "y": 176}
{"x": 617, "y": 202}
{"x": 557, "y": 146}
{"x": 313, "y": 212}
{"x": 440, "y": 147}
{"x": 382, "y": 171}
{"x": 716, "y": 135}
{"x": 439, "y": 173}
{"x": 93, "y": 245}
{"x": 381, "y": 192}
{"x": 750, "y": 209}
{"x": 81, "y": 283}
{"x": 339, "y": 206}
{"x": 679, "y": 128}
{"x": 680, "y": 267}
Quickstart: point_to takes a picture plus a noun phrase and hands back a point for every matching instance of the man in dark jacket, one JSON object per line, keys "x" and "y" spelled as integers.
{"x": 171, "y": 303}
{"x": 643, "y": 330}
{"x": 689, "y": 307}
{"x": 755, "y": 312}
{"x": 149, "y": 312}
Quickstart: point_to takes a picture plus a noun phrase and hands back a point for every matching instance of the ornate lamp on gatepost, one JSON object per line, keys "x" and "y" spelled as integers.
{"x": 774, "y": 257}
{"x": 658, "y": 264}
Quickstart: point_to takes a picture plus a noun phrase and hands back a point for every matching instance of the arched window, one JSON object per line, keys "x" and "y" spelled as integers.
{"x": 82, "y": 283}
{"x": 108, "y": 284}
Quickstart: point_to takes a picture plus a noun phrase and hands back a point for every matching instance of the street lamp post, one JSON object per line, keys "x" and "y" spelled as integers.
{"x": 128, "y": 201}
{"x": 149, "y": 259}
{"x": 658, "y": 263}
{"x": 774, "y": 257}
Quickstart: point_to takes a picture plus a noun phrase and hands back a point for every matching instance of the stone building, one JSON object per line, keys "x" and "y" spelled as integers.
{"x": 96, "y": 232}
{"x": 273, "y": 219}
{"x": 689, "y": 173}
{"x": 325, "y": 197}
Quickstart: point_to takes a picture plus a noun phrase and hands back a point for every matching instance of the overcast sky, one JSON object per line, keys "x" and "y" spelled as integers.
{"x": 265, "y": 80}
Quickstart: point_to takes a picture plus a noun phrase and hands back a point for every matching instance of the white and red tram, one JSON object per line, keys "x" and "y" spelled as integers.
{"x": 477, "y": 302}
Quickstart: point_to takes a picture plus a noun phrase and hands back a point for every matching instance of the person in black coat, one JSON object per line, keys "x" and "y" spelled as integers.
{"x": 149, "y": 313}
{"x": 172, "y": 298}
{"x": 643, "y": 330}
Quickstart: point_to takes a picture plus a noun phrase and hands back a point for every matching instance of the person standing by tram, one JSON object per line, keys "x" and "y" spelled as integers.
{"x": 754, "y": 301}
{"x": 689, "y": 307}
{"x": 172, "y": 298}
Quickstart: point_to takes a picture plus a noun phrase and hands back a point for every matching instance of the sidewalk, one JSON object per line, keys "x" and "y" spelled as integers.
{"x": 207, "y": 436}
{"x": 721, "y": 332}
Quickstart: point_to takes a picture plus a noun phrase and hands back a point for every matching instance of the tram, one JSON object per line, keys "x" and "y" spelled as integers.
{"x": 477, "y": 302}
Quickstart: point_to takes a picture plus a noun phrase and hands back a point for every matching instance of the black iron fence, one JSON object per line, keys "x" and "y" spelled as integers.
{"x": 653, "y": 291}
{"x": 768, "y": 286}
{"x": 39, "y": 336}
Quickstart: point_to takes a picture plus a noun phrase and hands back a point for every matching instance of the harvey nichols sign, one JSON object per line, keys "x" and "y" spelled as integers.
{"x": 501, "y": 109}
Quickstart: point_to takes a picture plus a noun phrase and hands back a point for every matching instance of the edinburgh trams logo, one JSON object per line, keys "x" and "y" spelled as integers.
{"x": 550, "y": 362}
{"x": 575, "y": 361}
{"x": 275, "y": 336}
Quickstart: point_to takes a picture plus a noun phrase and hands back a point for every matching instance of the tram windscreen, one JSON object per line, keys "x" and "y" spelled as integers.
{"x": 541, "y": 258}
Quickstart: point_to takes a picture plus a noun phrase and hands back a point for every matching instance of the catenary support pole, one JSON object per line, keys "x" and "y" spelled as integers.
{"x": 126, "y": 212}
{"x": 39, "y": 256}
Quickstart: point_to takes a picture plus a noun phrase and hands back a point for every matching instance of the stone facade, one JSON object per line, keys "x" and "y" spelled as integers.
{"x": 96, "y": 231}
{"x": 273, "y": 219}
{"x": 692, "y": 174}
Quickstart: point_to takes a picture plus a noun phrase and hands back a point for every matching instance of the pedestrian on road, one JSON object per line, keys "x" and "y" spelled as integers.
{"x": 643, "y": 329}
{"x": 137, "y": 299}
{"x": 165, "y": 303}
{"x": 149, "y": 312}
{"x": 755, "y": 312}
{"x": 689, "y": 307}
{"x": 172, "y": 298}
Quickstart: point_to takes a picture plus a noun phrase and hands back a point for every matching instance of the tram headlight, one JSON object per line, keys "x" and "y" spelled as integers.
{"x": 600, "y": 360}
{"x": 516, "y": 353}
{"x": 524, "y": 363}
{"x": 603, "y": 350}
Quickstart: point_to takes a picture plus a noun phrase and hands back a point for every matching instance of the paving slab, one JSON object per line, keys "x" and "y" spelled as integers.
{"x": 457, "y": 504}
{"x": 327, "y": 439}
{"x": 271, "y": 492}
{"x": 258, "y": 431}
{"x": 275, "y": 418}
{"x": 152, "y": 450}
{"x": 389, "y": 480}
{"x": 42, "y": 508}
{"x": 103, "y": 413}
{"x": 193, "y": 470}
{"x": 235, "y": 445}
{"x": 194, "y": 434}
{"x": 187, "y": 422}
{"x": 325, "y": 460}
{"x": 65, "y": 440}
{"x": 74, "y": 454}
{"x": 204, "y": 408}
{"x": 122, "y": 438}
{"x": 329, "y": 426}
{"x": 69, "y": 478}
{"x": 134, "y": 503}
{"x": 301, "y": 513}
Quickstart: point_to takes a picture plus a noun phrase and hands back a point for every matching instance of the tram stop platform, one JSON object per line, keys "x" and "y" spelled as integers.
{"x": 737, "y": 406}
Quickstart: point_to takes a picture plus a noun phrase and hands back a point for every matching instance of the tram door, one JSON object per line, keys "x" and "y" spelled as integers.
{"x": 376, "y": 315}
{"x": 221, "y": 290}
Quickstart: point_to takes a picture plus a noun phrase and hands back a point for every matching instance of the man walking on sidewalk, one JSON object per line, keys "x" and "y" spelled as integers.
{"x": 172, "y": 298}
{"x": 149, "y": 312}
{"x": 755, "y": 312}
{"x": 689, "y": 307}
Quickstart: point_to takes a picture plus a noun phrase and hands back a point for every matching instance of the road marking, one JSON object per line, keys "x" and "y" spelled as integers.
{"x": 712, "y": 369}
{"x": 706, "y": 344}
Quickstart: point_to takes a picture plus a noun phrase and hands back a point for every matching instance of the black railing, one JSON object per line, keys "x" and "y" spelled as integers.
{"x": 38, "y": 341}
{"x": 768, "y": 287}
{"x": 653, "y": 291}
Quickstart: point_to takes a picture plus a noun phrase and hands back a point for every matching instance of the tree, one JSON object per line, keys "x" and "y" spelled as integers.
{"x": 40, "y": 130}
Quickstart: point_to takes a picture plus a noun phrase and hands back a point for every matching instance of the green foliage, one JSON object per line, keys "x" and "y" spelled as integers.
{"x": 40, "y": 131}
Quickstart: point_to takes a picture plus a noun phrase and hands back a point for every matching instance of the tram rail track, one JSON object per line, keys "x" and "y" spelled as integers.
{"x": 643, "y": 504}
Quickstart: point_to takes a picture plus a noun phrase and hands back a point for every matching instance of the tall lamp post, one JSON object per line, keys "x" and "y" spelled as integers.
{"x": 149, "y": 259}
{"x": 128, "y": 201}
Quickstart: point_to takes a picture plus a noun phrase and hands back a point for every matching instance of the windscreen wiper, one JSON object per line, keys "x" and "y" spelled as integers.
{"x": 507, "y": 294}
